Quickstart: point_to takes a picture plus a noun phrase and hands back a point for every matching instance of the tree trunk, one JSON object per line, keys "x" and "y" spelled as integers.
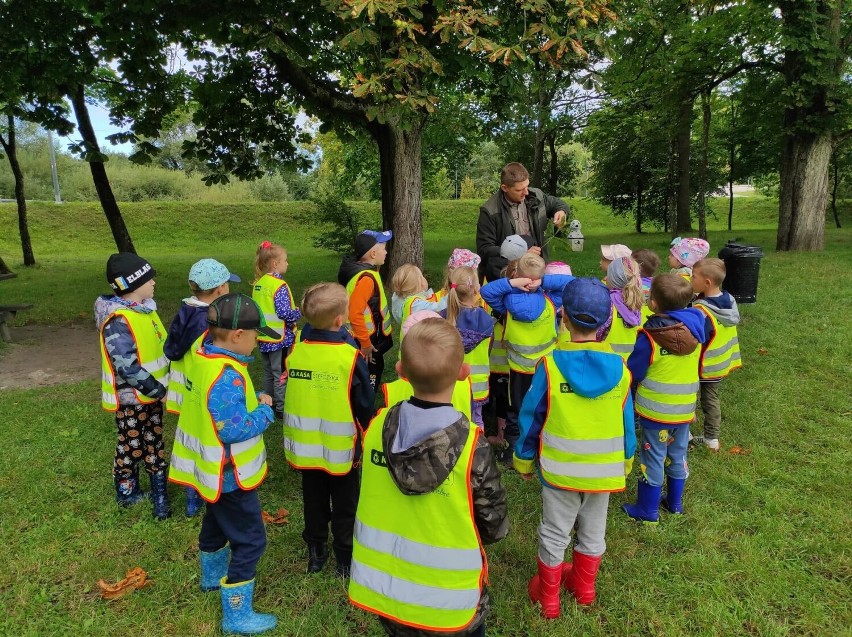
{"x": 671, "y": 209}
{"x": 120, "y": 233}
{"x": 683, "y": 221}
{"x": 553, "y": 176}
{"x": 804, "y": 191}
{"x": 732, "y": 149}
{"x": 10, "y": 146}
{"x": 836, "y": 180}
{"x": 541, "y": 120}
{"x": 402, "y": 187}
{"x": 702, "y": 168}
{"x": 4, "y": 269}
{"x": 639, "y": 208}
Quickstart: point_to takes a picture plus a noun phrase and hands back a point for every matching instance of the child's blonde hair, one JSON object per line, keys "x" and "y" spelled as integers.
{"x": 713, "y": 268}
{"x": 531, "y": 266}
{"x": 625, "y": 274}
{"x": 464, "y": 286}
{"x": 406, "y": 280}
{"x": 324, "y": 302}
{"x": 432, "y": 355}
{"x": 266, "y": 253}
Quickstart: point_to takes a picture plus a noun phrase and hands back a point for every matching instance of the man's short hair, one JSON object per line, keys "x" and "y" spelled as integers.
{"x": 432, "y": 355}
{"x": 713, "y": 268}
{"x": 648, "y": 260}
{"x": 671, "y": 292}
{"x": 324, "y": 302}
{"x": 513, "y": 173}
{"x": 531, "y": 266}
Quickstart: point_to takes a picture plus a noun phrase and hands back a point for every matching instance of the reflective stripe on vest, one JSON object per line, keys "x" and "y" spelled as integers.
{"x": 427, "y": 576}
{"x": 582, "y": 441}
{"x": 722, "y": 354}
{"x": 149, "y": 334}
{"x": 621, "y": 337}
{"x": 178, "y": 377}
{"x": 400, "y": 389}
{"x": 384, "y": 314}
{"x": 198, "y": 456}
{"x": 528, "y": 342}
{"x": 319, "y": 425}
{"x": 498, "y": 358}
{"x": 477, "y": 358}
{"x": 667, "y": 394}
{"x": 263, "y": 292}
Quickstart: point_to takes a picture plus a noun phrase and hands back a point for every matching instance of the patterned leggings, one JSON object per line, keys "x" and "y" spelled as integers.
{"x": 140, "y": 437}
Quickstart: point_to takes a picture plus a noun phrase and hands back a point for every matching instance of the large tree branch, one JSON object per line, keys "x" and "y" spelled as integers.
{"x": 841, "y": 138}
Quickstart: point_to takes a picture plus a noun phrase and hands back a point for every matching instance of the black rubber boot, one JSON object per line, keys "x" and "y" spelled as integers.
{"x": 317, "y": 557}
{"x": 344, "y": 563}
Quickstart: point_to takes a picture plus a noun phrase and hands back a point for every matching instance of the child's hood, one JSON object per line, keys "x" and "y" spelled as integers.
{"x": 589, "y": 372}
{"x": 475, "y": 325}
{"x": 106, "y": 304}
{"x": 422, "y": 446}
{"x": 723, "y": 307}
{"x": 678, "y": 331}
{"x": 525, "y": 306}
{"x": 349, "y": 267}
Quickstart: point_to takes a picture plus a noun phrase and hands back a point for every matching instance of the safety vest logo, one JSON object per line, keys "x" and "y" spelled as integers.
{"x": 378, "y": 458}
{"x": 565, "y": 388}
{"x": 304, "y": 374}
{"x": 258, "y": 288}
{"x": 157, "y": 331}
{"x": 664, "y": 352}
{"x": 188, "y": 385}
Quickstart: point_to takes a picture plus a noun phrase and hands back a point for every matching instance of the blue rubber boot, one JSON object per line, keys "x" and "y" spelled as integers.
{"x": 673, "y": 500}
{"x": 214, "y": 566}
{"x": 647, "y": 507}
{"x": 127, "y": 490}
{"x": 238, "y": 616}
{"x": 159, "y": 497}
{"x": 194, "y": 502}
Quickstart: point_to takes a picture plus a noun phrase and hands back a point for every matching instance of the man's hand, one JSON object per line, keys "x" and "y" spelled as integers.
{"x": 534, "y": 250}
{"x": 367, "y": 352}
{"x": 559, "y": 218}
{"x": 264, "y": 399}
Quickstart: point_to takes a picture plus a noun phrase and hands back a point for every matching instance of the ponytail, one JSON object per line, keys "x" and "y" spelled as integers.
{"x": 464, "y": 287}
{"x": 632, "y": 293}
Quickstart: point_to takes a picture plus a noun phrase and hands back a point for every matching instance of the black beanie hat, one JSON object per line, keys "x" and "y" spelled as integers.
{"x": 126, "y": 272}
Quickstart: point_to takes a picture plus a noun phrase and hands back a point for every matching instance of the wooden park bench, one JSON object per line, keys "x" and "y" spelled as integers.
{"x": 7, "y": 313}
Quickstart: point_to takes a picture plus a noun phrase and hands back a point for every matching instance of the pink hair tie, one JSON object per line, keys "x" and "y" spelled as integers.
{"x": 266, "y": 245}
{"x": 453, "y": 286}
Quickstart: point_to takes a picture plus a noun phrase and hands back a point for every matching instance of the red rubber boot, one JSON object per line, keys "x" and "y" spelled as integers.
{"x": 579, "y": 578}
{"x": 544, "y": 589}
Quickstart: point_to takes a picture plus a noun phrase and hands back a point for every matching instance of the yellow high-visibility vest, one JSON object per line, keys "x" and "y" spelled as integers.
{"x": 400, "y": 389}
{"x": 149, "y": 334}
{"x": 416, "y": 560}
{"x": 384, "y": 313}
{"x": 667, "y": 394}
{"x": 198, "y": 456}
{"x": 319, "y": 424}
{"x": 528, "y": 342}
{"x": 582, "y": 441}
{"x": 480, "y": 369}
{"x": 721, "y": 355}
{"x": 263, "y": 292}
{"x": 498, "y": 358}
{"x": 179, "y": 372}
{"x": 406, "y": 312}
{"x": 621, "y": 337}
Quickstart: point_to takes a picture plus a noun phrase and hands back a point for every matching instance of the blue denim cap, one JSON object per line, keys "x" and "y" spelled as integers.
{"x": 209, "y": 274}
{"x": 586, "y": 302}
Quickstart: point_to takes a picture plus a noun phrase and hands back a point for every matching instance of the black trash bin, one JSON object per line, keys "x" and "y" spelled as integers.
{"x": 742, "y": 263}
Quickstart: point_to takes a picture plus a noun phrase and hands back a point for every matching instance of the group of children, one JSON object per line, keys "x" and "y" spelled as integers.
{"x": 553, "y": 362}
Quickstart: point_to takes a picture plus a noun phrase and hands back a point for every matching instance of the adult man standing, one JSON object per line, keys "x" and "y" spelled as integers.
{"x": 515, "y": 209}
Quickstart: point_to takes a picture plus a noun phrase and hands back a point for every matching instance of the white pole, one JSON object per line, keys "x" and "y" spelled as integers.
{"x": 56, "y": 196}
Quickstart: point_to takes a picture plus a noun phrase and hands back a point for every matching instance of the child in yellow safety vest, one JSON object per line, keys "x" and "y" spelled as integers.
{"x": 329, "y": 399}
{"x": 271, "y": 292}
{"x": 219, "y": 451}
{"x": 369, "y": 316}
{"x": 431, "y": 498}
{"x": 476, "y": 328}
{"x": 664, "y": 364}
{"x": 208, "y": 280}
{"x": 684, "y": 253}
{"x": 720, "y": 354}
{"x": 411, "y": 293}
{"x": 577, "y": 422}
{"x": 530, "y": 332}
{"x": 460, "y": 257}
{"x": 134, "y": 374}
{"x": 625, "y": 291}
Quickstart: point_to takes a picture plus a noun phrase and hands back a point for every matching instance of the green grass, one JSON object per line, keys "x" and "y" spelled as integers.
{"x": 764, "y": 549}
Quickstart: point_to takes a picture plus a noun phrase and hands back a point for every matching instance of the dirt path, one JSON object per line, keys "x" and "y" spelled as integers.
{"x": 44, "y": 355}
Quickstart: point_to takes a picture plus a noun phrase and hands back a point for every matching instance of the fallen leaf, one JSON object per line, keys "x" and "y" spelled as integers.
{"x": 736, "y": 450}
{"x": 135, "y": 578}
{"x": 763, "y": 351}
{"x": 278, "y": 518}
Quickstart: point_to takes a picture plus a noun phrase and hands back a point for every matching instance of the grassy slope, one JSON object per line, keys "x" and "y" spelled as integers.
{"x": 764, "y": 549}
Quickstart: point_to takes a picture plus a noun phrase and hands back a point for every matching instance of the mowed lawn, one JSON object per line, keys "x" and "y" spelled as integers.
{"x": 764, "y": 549}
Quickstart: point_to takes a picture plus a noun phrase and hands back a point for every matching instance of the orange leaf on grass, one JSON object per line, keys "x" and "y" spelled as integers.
{"x": 763, "y": 351}
{"x": 135, "y": 578}
{"x": 278, "y": 518}
{"x": 736, "y": 450}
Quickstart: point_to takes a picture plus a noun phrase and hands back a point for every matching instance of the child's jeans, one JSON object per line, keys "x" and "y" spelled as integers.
{"x": 140, "y": 439}
{"x": 560, "y": 511}
{"x": 663, "y": 453}
{"x": 712, "y": 408}
{"x": 330, "y": 499}
{"x": 236, "y": 519}
{"x": 273, "y": 384}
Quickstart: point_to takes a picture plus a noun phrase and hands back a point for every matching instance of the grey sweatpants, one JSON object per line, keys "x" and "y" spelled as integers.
{"x": 560, "y": 512}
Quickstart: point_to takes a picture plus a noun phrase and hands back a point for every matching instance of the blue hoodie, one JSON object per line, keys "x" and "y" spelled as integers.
{"x": 524, "y": 306}
{"x": 591, "y": 373}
